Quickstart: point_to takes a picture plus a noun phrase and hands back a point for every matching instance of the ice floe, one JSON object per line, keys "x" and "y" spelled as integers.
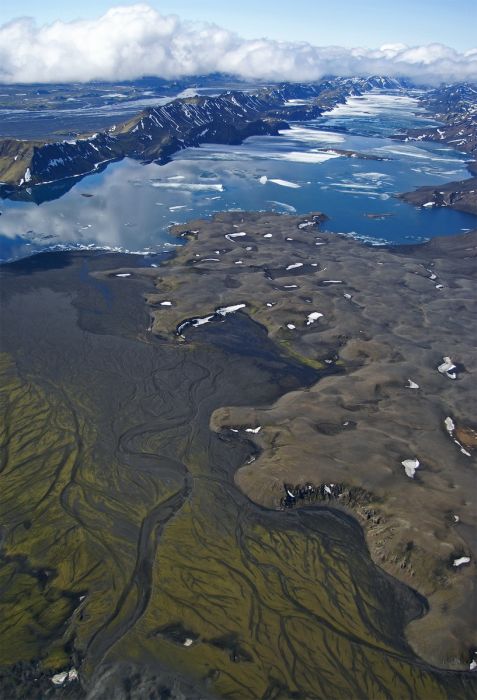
{"x": 291, "y": 326}
{"x": 414, "y": 152}
{"x": 410, "y": 466}
{"x": 353, "y": 185}
{"x": 284, "y": 183}
{"x": 311, "y": 156}
{"x": 189, "y": 186}
{"x": 412, "y": 385}
{"x": 299, "y": 133}
{"x": 374, "y": 177}
{"x": 283, "y": 205}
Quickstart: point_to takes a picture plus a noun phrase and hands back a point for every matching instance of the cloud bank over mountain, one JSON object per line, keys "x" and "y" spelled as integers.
{"x": 136, "y": 40}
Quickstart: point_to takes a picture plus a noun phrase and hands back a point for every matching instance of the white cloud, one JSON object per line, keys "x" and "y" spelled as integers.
{"x": 133, "y": 41}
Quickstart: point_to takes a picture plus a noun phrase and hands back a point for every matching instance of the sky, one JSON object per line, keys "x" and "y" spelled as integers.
{"x": 367, "y": 23}
{"x": 429, "y": 40}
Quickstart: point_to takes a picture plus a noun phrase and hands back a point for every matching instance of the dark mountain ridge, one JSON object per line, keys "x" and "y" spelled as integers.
{"x": 456, "y": 107}
{"x": 158, "y": 132}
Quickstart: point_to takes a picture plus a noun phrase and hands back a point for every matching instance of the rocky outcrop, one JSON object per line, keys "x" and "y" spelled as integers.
{"x": 460, "y": 195}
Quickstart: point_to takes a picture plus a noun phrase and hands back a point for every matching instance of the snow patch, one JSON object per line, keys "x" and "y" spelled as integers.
{"x": 224, "y": 310}
{"x": 410, "y": 466}
{"x": 460, "y": 561}
{"x": 314, "y": 316}
{"x": 447, "y": 367}
{"x": 231, "y": 236}
{"x": 65, "y": 677}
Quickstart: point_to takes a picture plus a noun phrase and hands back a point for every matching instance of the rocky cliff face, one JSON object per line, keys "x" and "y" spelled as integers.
{"x": 27, "y": 163}
{"x": 156, "y": 133}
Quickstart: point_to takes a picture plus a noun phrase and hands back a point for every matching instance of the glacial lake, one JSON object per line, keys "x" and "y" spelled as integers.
{"x": 129, "y": 206}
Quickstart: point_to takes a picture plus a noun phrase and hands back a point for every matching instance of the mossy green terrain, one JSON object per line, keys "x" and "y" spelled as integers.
{"x": 124, "y": 537}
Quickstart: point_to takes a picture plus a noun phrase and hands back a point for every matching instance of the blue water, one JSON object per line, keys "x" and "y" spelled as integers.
{"x": 133, "y": 204}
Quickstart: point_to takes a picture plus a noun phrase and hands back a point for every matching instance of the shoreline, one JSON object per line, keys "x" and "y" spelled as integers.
{"x": 170, "y": 250}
